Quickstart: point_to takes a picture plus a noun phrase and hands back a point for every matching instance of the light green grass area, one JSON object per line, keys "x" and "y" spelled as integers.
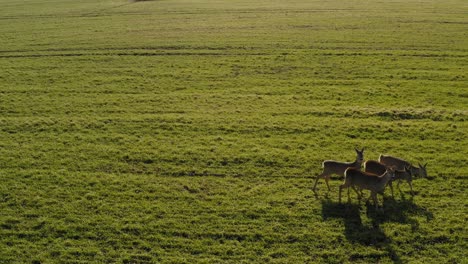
{"x": 179, "y": 131}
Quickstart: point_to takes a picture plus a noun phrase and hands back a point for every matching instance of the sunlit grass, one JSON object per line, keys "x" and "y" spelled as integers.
{"x": 175, "y": 131}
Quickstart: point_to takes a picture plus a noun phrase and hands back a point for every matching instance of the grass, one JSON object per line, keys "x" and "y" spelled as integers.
{"x": 192, "y": 131}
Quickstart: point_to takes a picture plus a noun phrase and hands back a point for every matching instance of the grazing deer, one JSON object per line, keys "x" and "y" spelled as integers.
{"x": 366, "y": 180}
{"x": 400, "y": 164}
{"x": 378, "y": 168}
{"x": 331, "y": 167}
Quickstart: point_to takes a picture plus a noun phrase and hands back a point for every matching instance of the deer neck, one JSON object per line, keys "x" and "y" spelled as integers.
{"x": 357, "y": 163}
{"x": 415, "y": 170}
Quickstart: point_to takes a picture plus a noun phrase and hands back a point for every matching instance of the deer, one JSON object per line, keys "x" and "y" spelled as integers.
{"x": 377, "y": 168}
{"x": 331, "y": 167}
{"x": 365, "y": 180}
{"x": 400, "y": 164}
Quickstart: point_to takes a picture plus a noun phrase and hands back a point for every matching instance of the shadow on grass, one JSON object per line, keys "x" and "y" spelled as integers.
{"x": 398, "y": 211}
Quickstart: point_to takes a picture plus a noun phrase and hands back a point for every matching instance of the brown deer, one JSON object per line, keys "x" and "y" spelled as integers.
{"x": 378, "y": 168}
{"x": 331, "y": 167}
{"x": 400, "y": 164}
{"x": 365, "y": 180}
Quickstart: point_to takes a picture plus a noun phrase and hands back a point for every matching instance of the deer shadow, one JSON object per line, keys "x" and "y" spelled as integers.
{"x": 355, "y": 231}
{"x": 398, "y": 211}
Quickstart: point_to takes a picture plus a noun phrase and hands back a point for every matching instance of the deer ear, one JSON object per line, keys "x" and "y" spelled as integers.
{"x": 425, "y": 165}
{"x": 362, "y": 150}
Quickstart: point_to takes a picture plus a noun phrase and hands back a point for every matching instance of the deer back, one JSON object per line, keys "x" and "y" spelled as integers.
{"x": 375, "y": 167}
{"x": 366, "y": 180}
{"x": 336, "y": 167}
{"x": 397, "y": 163}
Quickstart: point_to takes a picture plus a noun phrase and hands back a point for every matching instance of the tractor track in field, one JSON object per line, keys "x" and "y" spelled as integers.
{"x": 206, "y": 51}
{"x": 129, "y": 54}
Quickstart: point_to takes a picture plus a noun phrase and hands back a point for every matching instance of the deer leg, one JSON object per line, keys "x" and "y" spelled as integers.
{"x": 359, "y": 194}
{"x": 411, "y": 188}
{"x": 349, "y": 198}
{"x": 376, "y": 202}
{"x": 344, "y": 185}
{"x": 339, "y": 193}
{"x": 316, "y": 181}
{"x": 391, "y": 187}
{"x": 326, "y": 181}
{"x": 398, "y": 185}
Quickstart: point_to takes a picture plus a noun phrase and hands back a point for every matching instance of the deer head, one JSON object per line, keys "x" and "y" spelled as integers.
{"x": 360, "y": 154}
{"x": 422, "y": 170}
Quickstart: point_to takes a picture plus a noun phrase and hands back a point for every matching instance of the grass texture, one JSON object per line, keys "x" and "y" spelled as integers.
{"x": 177, "y": 131}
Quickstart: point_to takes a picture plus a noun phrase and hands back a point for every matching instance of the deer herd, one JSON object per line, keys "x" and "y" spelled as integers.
{"x": 375, "y": 177}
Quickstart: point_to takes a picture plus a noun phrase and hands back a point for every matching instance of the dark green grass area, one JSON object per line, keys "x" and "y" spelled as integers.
{"x": 192, "y": 131}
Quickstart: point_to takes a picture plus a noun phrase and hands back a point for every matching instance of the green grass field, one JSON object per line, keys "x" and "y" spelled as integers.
{"x": 174, "y": 131}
